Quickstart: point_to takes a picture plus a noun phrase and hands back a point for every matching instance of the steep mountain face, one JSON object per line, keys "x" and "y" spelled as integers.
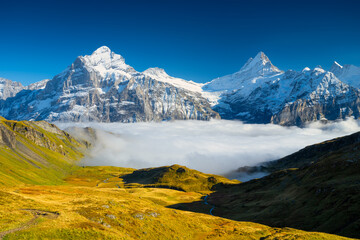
{"x": 253, "y": 74}
{"x": 349, "y": 74}
{"x": 102, "y": 87}
{"x": 261, "y": 93}
{"x": 9, "y": 88}
{"x": 37, "y": 85}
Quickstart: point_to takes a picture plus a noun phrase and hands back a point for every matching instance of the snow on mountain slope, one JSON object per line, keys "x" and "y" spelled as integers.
{"x": 254, "y": 73}
{"x": 102, "y": 87}
{"x": 260, "y": 91}
{"x": 37, "y": 85}
{"x": 160, "y": 75}
{"x": 349, "y": 74}
{"x": 107, "y": 63}
{"x": 9, "y": 88}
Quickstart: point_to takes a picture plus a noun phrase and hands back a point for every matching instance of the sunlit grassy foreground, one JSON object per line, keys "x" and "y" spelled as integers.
{"x": 95, "y": 203}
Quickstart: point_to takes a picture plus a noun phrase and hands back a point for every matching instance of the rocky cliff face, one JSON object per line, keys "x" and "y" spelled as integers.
{"x": 102, "y": 87}
{"x": 9, "y": 88}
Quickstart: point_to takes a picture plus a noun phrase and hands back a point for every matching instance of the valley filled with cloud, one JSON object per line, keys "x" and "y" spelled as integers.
{"x": 217, "y": 146}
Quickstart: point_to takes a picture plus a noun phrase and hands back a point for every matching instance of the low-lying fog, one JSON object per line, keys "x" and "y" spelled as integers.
{"x": 218, "y": 146}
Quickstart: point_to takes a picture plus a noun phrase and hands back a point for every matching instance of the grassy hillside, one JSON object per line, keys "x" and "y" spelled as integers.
{"x": 322, "y": 195}
{"x": 85, "y": 209}
{"x": 175, "y": 177}
{"x": 36, "y": 153}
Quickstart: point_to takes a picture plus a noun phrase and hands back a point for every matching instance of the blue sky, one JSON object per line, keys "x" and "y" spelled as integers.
{"x": 196, "y": 40}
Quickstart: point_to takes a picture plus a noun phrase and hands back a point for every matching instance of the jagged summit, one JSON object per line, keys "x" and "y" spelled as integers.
{"x": 103, "y": 59}
{"x": 9, "y": 88}
{"x": 261, "y": 57}
{"x": 102, "y": 49}
{"x": 260, "y": 64}
{"x": 250, "y": 74}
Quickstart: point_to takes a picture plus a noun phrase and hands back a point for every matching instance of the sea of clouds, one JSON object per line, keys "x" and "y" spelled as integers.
{"x": 217, "y": 146}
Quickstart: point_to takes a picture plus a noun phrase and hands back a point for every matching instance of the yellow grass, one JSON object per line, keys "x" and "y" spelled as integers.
{"x": 90, "y": 212}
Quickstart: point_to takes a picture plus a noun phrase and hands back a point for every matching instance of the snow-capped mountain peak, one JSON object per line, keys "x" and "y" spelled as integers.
{"x": 306, "y": 69}
{"x": 261, "y": 57}
{"x": 103, "y": 59}
{"x": 260, "y": 64}
{"x": 251, "y": 74}
{"x": 102, "y": 49}
{"x": 9, "y": 88}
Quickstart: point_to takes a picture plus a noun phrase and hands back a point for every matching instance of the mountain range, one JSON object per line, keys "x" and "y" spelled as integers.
{"x": 102, "y": 87}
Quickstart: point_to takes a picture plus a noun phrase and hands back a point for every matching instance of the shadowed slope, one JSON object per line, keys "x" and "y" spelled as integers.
{"x": 322, "y": 195}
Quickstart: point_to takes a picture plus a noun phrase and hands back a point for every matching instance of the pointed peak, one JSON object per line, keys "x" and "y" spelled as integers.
{"x": 105, "y": 52}
{"x": 103, "y": 60}
{"x": 260, "y": 64}
{"x": 318, "y": 68}
{"x": 261, "y": 55}
{"x": 102, "y": 49}
{"x": 306, "y": 69}
{"x": 105, "y": 57}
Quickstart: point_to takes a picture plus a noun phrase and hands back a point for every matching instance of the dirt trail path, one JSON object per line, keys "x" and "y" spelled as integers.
{"x": 32, "y": 222}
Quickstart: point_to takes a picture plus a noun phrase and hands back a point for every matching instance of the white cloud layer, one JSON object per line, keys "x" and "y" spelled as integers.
{"x": 218, "y": 146}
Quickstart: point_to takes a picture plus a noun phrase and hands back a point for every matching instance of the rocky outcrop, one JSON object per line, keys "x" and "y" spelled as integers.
{"x": 7, "y": 137}
{"x": 303, "y": 111}
{"x": 9, "y": 88}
